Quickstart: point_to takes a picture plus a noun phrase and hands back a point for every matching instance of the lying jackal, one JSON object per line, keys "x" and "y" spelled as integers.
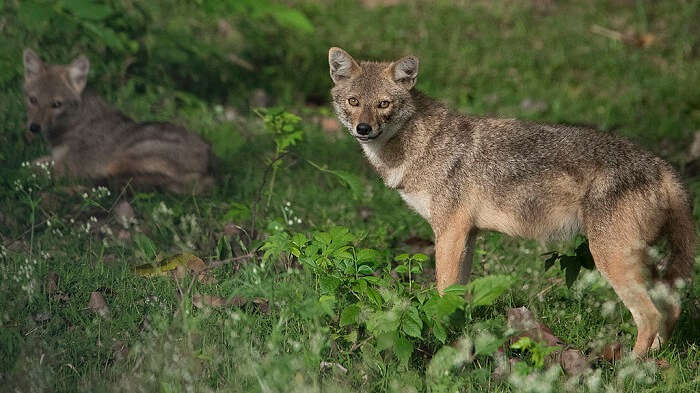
{"x": 537, "y": 181}
{"x": 89, "y": 139}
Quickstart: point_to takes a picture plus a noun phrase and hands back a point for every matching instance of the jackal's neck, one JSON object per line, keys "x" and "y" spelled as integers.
{"x": 88, "y": 115}
{"x": 408, "y": 141}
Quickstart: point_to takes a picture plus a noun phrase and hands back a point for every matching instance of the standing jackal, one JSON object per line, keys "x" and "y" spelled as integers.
{"x": 89, "y": 139}
{"x": 536, "y": 181}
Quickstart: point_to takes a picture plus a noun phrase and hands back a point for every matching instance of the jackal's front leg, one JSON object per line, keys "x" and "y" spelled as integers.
{"x": 454, "y": 251}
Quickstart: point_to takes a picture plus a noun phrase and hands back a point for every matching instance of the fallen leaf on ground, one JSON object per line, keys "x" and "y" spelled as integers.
{"x": 178, "y": 266}
{"x": 119, "y": 350}
{"x": 612, "y": 352}
{"x": 663, "y": 364}
{"x": 524, "y": 321}
{"x": 51, "y": 283}
{"x": 573, "y": 362}
{"x": 98, "y": 305}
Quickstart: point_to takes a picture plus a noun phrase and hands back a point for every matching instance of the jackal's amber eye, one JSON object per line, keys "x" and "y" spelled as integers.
{"x": 383, "y": 104}
{"x": 353, "y": 101}
{"x": 56, "y": 104}
{"x": 32, "y": 100}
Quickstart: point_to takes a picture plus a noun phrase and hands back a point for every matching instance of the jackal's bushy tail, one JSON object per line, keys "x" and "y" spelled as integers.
{"x": 681, "y": 239}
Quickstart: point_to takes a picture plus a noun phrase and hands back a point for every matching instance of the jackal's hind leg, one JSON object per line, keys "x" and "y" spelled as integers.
{"x": 623, "y": 266}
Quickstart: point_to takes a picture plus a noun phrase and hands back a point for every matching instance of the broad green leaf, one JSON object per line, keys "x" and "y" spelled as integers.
{"x": 411, "y": 328}
{"x": 146, "y": 246}
{"x": 349, "y": 315}
{"x": 87, "y": 9}
{"x": 486, "y": 344}
{"x": 439, "y": 332}
{"x": 383, "y": 322}
{"x": 401, "y": 269}
{"x": 401, "y": 257}
{"x": 364, "y": 270}
{"x": 486, "y": 290}
{"x": 420, "y": 257}
{"x": 327, "y": 303}
{"x": 456, "y": 289}
{"x": 403, "y": 348}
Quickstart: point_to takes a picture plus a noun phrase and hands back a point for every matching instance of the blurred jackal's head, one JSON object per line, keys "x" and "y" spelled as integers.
{"x": 372, "y": 99}
{"x": 52, "y": 92}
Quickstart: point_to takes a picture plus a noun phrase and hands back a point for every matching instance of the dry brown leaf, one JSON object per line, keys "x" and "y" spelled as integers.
{"x": 612, "y": 352}
{"x": 573, "y": 362}
{"x": 662, "y": 364}
{"x": 523, "y": 320}
{"x": 51, "y": 283}
{"x": 202, "y": 301}
{"x": 119, "y": 350}
{"x": 98, "y": 305}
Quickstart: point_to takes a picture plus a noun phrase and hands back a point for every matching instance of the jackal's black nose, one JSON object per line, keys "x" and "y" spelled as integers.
{"x": 35, "y": 128}
{"x": 364, "y": 129}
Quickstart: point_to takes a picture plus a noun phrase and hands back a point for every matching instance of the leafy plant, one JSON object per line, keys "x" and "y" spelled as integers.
{"x": 537, "y": 353}
{"x": 394, "y": 313}
{"x": 571, "y": 264}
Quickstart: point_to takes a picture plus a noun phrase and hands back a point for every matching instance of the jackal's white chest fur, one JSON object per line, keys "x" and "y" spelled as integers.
{"x": 419, "y": 201}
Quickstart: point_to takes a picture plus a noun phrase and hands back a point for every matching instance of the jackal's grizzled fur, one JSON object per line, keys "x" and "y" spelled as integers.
{"x": 537, "y": 181}
{"x": 89, "y": 139}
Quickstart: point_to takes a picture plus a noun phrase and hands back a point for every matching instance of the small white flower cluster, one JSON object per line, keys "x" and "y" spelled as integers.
{"x": 88, "y": 225}
{"x": 289, "y": 217}
{"x": 162, "y": 213}
{"x": 25, "y": 276}
{"x": 100, "y": 192}
{"x": 189, "y": 226}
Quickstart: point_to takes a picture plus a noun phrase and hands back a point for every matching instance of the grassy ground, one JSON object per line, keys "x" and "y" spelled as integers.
{"x": 628, "y": 67}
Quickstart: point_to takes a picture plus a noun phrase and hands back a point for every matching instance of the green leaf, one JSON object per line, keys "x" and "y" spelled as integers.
{"x": 87, "y": 9}
{"x": 401, "y": 257}
{"x": 420, "y": 257}
{"x": 292, "y": 19}
{"x": 439, "y": 332}
{"x": 411, "y": 328}
{"x": 456, "y": 289}
{"x": 486, "y": 344}
{"x": 364, "y": 270}
{"x": 524, "y": 343}
{"x": 146, "y": 246}
{"x": 223, "y": 249}
{"x": 403, "y": 348}
{"x": 572, "y": 270}
{"x": 349, "y": 315}
{"x": 327, "y": 303}
{"x": 33, "y": 14}
{"x": 486, "y": 290}
{"x": 383, "y": 322}
{"x": 583, "y": 253}
{"x": 401, "y": 269}
{"x": 549, "y": 262}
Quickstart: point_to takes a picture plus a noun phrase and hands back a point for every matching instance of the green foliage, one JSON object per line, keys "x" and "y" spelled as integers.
{"x": 537, "y": 351}
{"x": 571, "y": 264}
{"x": 395, "y": 313}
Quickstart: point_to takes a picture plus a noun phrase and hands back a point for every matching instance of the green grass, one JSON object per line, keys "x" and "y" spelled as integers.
{"x": 482, "y": 57}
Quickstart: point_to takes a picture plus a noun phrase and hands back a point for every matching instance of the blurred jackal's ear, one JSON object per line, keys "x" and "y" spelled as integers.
{"x": 33, "y": 66}
{"x": 405, "y": 71}
{"x": 78, "y": 72}
{"x": 343, "y": 66}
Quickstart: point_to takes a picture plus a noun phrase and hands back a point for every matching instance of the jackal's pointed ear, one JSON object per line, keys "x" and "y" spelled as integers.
{"x": 33, "y": 66}
{"x": 405, "y": 71}
{"x": 342, "y": 65}
{"x": 78, "y": 72}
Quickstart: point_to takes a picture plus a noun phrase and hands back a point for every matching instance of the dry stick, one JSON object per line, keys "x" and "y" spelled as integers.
{"x": 222, "y": 262}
